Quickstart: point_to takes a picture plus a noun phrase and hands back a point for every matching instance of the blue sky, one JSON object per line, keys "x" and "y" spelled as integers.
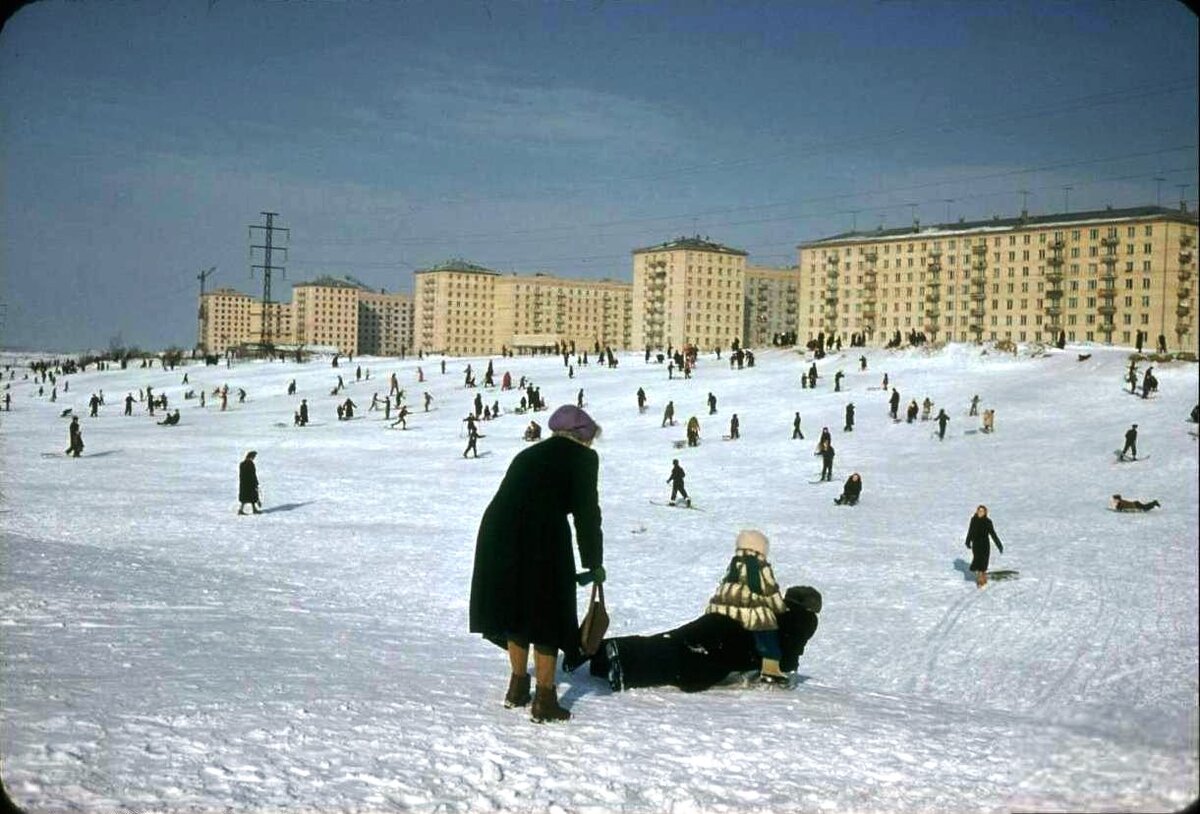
{"x": 140, "y": 140}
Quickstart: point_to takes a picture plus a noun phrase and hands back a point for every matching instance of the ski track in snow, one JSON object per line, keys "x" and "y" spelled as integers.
{"x": 162, "y": 654}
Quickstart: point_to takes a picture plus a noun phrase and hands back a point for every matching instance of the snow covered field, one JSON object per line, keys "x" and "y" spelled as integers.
{"x": 161, "y": 653}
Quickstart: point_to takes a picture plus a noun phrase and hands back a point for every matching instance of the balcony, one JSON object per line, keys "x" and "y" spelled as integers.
{"x": 980, "y": 266}
{"x": 932, "y": 314}
{"x": 1184, "y": 292}
{"x": 1185, "y": 241}
{"x": 932, "y": 296}
{"x": 978, "y": 296}
{"x": 1054, "y": 294}
{"x": 977, "y": 313}
{"x": 1108, "y": 259}
{"x": 1185, "y": 275}
{"x": 1183, "y": 310}
{"x": 1054, "y": 277}
{"x": 832, "y": 274}
{"x": 871, "y": 256}
{"x": 1185, "y": 258}
{"x": 935, "y": 253}
{"x": 1107, "y": 309}
{"x": 1057, "y": 244}
{"x": 1054, "y": 312}
{"x": 1110, "y": 242}
{"x": 1054, "y": 261}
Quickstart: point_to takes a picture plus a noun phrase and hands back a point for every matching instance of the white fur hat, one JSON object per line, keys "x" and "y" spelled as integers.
{"x": 754, "y": 540}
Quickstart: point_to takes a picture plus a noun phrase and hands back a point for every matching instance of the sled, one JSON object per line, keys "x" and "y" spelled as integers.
{"x": 1121, "y": 460}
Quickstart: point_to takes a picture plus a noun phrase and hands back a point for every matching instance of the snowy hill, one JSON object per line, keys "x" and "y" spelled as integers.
{"x": 162, "y": 653}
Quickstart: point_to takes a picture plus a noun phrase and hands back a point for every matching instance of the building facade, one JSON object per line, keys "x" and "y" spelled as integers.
{"x": 538, "y": 311}
{"x": 455, "y": 304}
{"x": 771, "y": 307}
{"x": 687, "y": 291}
{"x": 229, "y": 318}
{"x": 1097, "y": 276}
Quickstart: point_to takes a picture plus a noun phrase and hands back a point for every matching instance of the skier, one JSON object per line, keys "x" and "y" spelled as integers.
{"x": 894, "y": 402}
{"x": 978, "y": 533}
{"x": 75, "y": 438}
{"x": 712, "y": 404}
{"x": 478, "y": 405}
{"x": 911, "y": 413}
{"x": 401, "y": 418}
{"x": 826, "y": 437}
{"x": 248, "y": 484}
{"x": 749, "y": 594}
{"x": 676, "y": 480}
{"x": 862, "y": 363}
{"x": 693, "y": 432}
{"x": 1132, "y": 379}
{"x": 849, "y": 418}
{"x": 851, "y": 491}
{"x": 1119, "y": 504}
{"x": 942, "y": 419}
{"x": 472, "y": 437}
{"x": 733, "y": 428}
{"x": 348, "y": 406}
{"x": 669, "y": 414}
{"x": 1130, "y": 443}
{"x": 796, "y": 428}
{"x": 837, "y": 381}
{"x": 641, "y": 400}
{"x": 522, "y": 587}
{"x": 826, "y": 452}
{"x": 885, "y": 381}
{"x": 579, "y": 399}
{"x": 974, "y": 405}
{"x": 428, "y": 399}
{"x": 129, "y": 402}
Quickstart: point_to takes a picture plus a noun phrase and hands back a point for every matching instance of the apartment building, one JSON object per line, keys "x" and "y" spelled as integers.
{"x": 688, "y": 291}
{"x": 1097, "y": 276}
{"x": 229, "y": 318}
{"x": 455, "y": 307}
{"x": 538, "y": 311}
{"x": 385, "y": 323}
{"x": 771, "y": 305}
{"x": 326, "y": 313}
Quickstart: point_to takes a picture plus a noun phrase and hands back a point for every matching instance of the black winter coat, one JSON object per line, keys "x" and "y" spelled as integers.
{"x": 247, "y": 482}
{"x": 523, "y": 584}
{"x": 703, "y": 652}
{"x": 978, "y": 534}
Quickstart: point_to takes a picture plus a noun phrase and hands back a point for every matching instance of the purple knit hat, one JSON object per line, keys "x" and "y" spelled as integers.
{"x": 573, "y": 421}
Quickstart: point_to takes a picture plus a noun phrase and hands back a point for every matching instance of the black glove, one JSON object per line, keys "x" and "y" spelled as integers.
{"x": 967, "y": 544}
{"x": 999, "y": 547}
{"x": 596, "y": 575}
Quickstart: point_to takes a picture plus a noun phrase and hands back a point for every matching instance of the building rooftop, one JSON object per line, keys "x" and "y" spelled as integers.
{"x": 1106, "y": 215}
{"x": 325, "y": 281}
{"x": 694, "y": 243}
{"x": 457, "y": 264}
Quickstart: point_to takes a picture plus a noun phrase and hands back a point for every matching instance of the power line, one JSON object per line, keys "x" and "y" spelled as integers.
{"x": 267, "y": 247}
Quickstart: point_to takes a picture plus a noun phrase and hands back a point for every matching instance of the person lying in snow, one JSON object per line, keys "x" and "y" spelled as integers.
{"x": 1119, "y": 504}
{"x": 703, "y": 652}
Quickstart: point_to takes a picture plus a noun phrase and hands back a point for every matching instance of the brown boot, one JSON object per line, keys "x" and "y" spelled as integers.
{"x": 545, "y": 706}
{"x": 518, "y": 691}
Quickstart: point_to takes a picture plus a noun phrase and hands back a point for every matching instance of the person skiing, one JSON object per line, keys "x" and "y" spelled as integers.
{"x": 401, "y": 418}
{"x": 75, "y": 438}
{"x": 825, "y": 437}
{"x": 641, "y": 400}
{"x": 676, "y": 480}
{"x": 248, "y": 484}
{"x": 796, "y": 428}
{"x": 348, "y": 408}
{"x": 669, "y": 414}
{"x": 129, "y": 402}
{"x": 712, "y": 404}
{"x": 734, "y": 426}
{"x": 911, "y": 412}
{"x": 827, "y": 454}
{"x": 693, "y": 432}
{"x": 750, "y": 594}
{"x": 942, "y": 420}
{"x": 1132, "y": 379}
{"x": 1119, "y": 504}
{"x": 862, "y": 363}
{"x": 1130, "y": 443}
{"x": 894, "y": 403}
{"x": 428, "y": 399}
{"x": 523, "y": 582}
{"x": 837, "y": 381}
{"x": 978, "y": 533}
{"x": 473, "y": 437}
{"x": 851, "y": 491}
{"x": 93, "y": 405}
{"x": 579, "y": 399}
{"x": 974, "y": 405}
{"x": 849, "y": 418}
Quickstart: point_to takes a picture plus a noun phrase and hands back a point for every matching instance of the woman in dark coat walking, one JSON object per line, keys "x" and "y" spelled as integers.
{"x": 523, "y": 586}
{"x": 248, "y": 484}
{"x": 979, "y": 535}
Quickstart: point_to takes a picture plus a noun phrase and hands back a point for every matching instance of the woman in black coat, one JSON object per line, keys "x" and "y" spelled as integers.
{"x": 523, "y": 586}
{"x": 979, "y": 534}
{"x": 248, "y": 484}
{"x": 851, "y": 491}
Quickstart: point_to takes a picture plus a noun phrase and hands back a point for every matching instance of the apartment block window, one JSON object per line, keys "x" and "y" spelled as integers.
{"x": 1147, "y": 248}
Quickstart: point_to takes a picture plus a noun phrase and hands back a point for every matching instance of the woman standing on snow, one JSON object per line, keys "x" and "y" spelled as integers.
{"x": 523, "y": 586}
{"x": 979, "y": 535}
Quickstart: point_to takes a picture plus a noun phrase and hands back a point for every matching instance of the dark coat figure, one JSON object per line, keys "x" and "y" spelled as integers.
{"x": 75, "y": 438}
{"x": 248, "y": 484}
{"x": 942, "y": 420}
{"x": 641, "y": 400}
{"x": 1120, "y": 504}
{"x": 894, "y": 402}
{"x": 837, "y": 381}
{"x": 676, "y": 480}
{"x": 734, "y": 427}
{"x": 979, "y": 534}
{"x": 826, "y": 437}
{"x": 911, "y": 413}
{"x": 1130, "y": 443}
{"x": 703, "y": 652}
{"x": 129, "y": 402}
{"x": 669, "y": 414}
{"x": 796, "y": 428}
{"x": 523, "y": 584}
{"x": 303, "y": 412}
{"x": 851, "y": 491}
{"x": 94, "y": 404}
{"x": 849, "y": 418}
{"x": 472, "y": 437}
{"x": 712, "y": 404}
{"x": 827, "y": 454}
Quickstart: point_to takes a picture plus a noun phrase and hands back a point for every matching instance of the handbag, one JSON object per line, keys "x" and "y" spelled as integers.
{"x": 595, "y": 623}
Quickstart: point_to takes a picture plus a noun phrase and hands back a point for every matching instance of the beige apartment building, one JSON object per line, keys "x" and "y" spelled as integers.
{"x": 1098, "y": 276}
{"x": 688, "y": 291}
{"x": 771, "y": 307}
{"x": 465, "y": 309}
{"x": 229, "y": 318}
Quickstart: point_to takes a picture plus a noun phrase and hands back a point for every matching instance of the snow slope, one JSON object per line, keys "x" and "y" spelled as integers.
{"x": 162, "y": 654}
